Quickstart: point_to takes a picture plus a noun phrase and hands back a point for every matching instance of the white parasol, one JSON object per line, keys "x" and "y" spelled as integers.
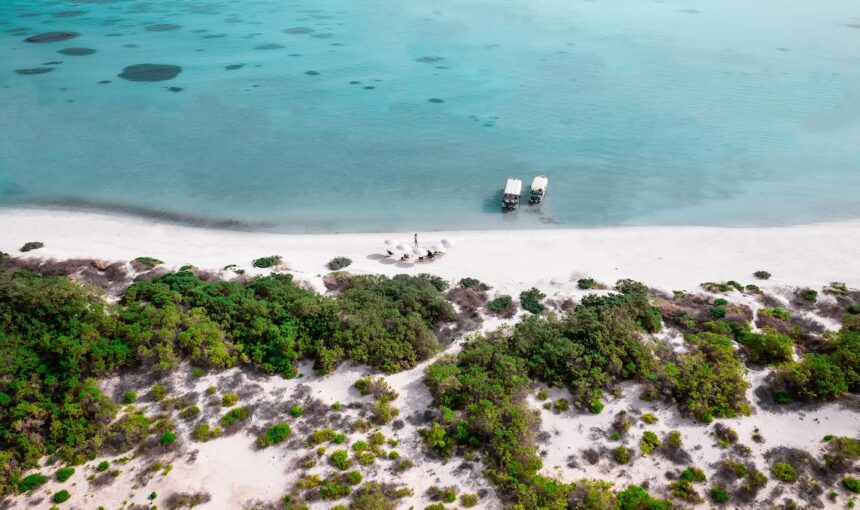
{"x": 390, "y": 242}
{"x": 448, "y": 243}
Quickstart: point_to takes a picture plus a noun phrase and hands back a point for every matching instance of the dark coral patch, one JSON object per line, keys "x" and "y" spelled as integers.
{"x": 298, "y": 30}
{"x": 436, "y": 100}
{"x": 270, "y": 46}
{"x": 233, "y": 67}
{"x": 67, "y": 14}
{"x": 34, "y": 70}
{"x": 429, "y": 60}
{"x": 163, "y": 27}
{"x": 49, "y": 37}
{"x": 104, "y": 82}
{"x": 150, "y": 72}
{"x": 77, "y": 52}
{"x": 175, "y": 89}
{"x": 312, "y": 73}
{"x": 52, "y": 63}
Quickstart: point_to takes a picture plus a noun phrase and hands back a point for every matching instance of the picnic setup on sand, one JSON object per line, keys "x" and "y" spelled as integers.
{"x": 416, "y": 252}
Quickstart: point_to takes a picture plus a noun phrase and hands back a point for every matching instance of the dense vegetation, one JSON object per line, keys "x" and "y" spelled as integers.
{"x": 58, "y": 336}
{"x": 480, "y": 392}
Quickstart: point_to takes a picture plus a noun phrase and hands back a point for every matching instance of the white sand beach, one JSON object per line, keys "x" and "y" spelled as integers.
{"x": 668, "y": 258}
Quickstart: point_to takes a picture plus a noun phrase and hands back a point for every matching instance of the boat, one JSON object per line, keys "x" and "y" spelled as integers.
{"x": 538, "y": 189}
{"x": 511, "y": 194}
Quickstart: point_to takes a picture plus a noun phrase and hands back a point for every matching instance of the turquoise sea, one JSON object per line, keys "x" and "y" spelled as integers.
{"x": 348, "y": 115}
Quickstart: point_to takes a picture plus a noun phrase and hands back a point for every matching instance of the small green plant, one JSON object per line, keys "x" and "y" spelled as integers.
{"x": 337, "y": 406}
{"x": 501, "y": 304}
{"x": 719, "y": 494}
{"x": 158, "y": 392}
{"x": 32, "y": 245}
{"x": 65, "y": 473}
{"x": 275, "y": 434}
{"x": 129, "y": 397}
{"x": 561, "y": 405}
{"x": 189, "y": 412}
{"x": 586, "y": 283}
{"x": 31, "y": 482}
{"x": 649, "y": 442}
{"x": 810, "y": 295}
{"x": 353, "y": 478}
{"x": 531, "y": 300}
{"x": 234, "y": 416}
{"x": 718, "y": 311}
{"x": 211, "y": 390}
{"x": 340, "y": 459}
{"x": 468, "y": 500}
{"x": 267, "y": 262}
{"x": 472, "y": 283}
{"x": 296, "y": 411}
{"x": 197, "y": 372}
{"x": 621, "y": 454}
{"x": 649, "y": 418}
{"x": 595, "y": 407}
{"x": 762, "y": 275}
{"x": 542, "y": 395}
{"x": 152, "y": 496}
{"x": 784, "y": 471}
{"x": 229, "y": 399}
{"x": 168, "y": 438}
{"x": 720, "y": 302}
{"x": 673, "y": 440}
{"x": 338, "y": 263}
{"x": 777, "y": 313}
{"x": 103, "y": 466}
{"x": 359, "y": 446}
{"x": 61, "y": 496}
{"x": 851, "y": 483}
{"x": 204, "y": 432}
{"x": 148, "y": 261}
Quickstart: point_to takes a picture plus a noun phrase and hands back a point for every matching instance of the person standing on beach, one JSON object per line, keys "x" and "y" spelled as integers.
{"x": 416, "y": 239}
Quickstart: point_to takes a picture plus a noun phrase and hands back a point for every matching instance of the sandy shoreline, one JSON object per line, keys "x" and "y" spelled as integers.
{"x": 665, "y": 257}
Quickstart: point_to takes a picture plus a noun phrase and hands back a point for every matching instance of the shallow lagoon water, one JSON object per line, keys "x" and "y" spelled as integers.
{"x": 338, "y": 115}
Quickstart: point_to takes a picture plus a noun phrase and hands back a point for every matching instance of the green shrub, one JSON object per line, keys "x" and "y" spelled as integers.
{"x": 635, "y": 497}
{"x": 168, "y": 438}
{"x": 595, "y": 407}
{"x": 586, "y": 283}
{"x": 470, "y": 283}
{"x": 340, "y": 459}
{"x": 719, "y": 494}
{"x": 561, "y": 404}
{"x": 229, "y": 399}
{"x": 359, "y": 446}
{"x": 103, "y": 466}
{"x": 234, "y": 416}
{"x": 468, "y": 500}
{"x": 338, "y": 263}
{"x": 621, "y": 454}
{"x": 768, "y": 347}
{"x": 354, "y": 477}
{"x": 531, "y": 300}
{"x": 777, "y": 313}
{"x": 809, "y": 295}
{"x": 31, "y": 482}
{"x": 267, "y": 262}
{"x": 129, "y": 397}
{"x": 32, "y": 245}
{"x": 158, "y": 392}
{"x": 197, "y": 372}
{"x": 204, "y": 432}
{"x": 61, "y": 496}
{"x": 542, "y": 395}
{"x": 762, "y": 275}
{"x": 649, "y": 442}
{"x": 673, "y": 440}
{"x": 148, "y": 261}
{"x": 501, "y": 304}
{"x": 331, "y": 489}
{"x": 296, "y": 411}
{"x": 189, "y": 412}
{"x": 320, "y": 436}
{"x": 649, "y": 418}
{"x": 366, "y": 458}
{"x": 851, "y": 483}
{"x": 720, "y": 302}
{"x": 718, "y": 311}
{"x": 152, "y": 496}
{"x": 65, "y": 473}
{"x": 854, "y": 309}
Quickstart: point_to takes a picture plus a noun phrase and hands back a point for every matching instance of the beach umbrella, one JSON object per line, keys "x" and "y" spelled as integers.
{"x": 402, "y": 247}
{"x": 390, "y": 242}
{"x": 438, "y": 248}
{"x": 419, "y": 251}
{"x": 448, "y": 243}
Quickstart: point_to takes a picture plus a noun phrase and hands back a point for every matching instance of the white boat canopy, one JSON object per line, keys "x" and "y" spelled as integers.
{"x": 513, "y": 187}
{"x": 539, "y": 183}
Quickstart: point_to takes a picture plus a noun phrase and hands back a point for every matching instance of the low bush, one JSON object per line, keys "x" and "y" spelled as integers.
{"x": 129, "y": 397}
{"x": 158, "y": 392}
{"x": 32, "y": 245}
{"x": 31, "y": 482}
{"x": 338, "y": 263}
{"x": 148, "y": 261}
{"x": 468, "y": 500}
{"x": 673, "y": 439}
{"x": 768, "y": 347}
{"x": 762, "y": 275}
{"x": 65, "y": 473}
{"x": 61, "y": 496}
{"x": 649, "y": 442}
{"x": 502, "y": 305}
{"x": 168, "y": 438}
{"x": 340, "y": 459}
{"x": 229, "y": 399}
{"x": 296, "y": 411}
{"x": 267, "y": 262}
{"x": 784, "y": 471}
{"x": 719, "y": 494}
{"x": 204, "y": 432}
{"x": 103, "y": 466}
{"x": 469, "y": 283}
{"x": 586, "y": 283}
{"x": 189, "y": 412}
{"x": 621, "y": 454}
{"x": 777, "y": 313}
{"x": 234, "y": 416}
{"x": 851, "y": 483}
{"x": 810, "y": 295}
{"x": 649, "y": 418}
{"x": 531, "y": 300}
